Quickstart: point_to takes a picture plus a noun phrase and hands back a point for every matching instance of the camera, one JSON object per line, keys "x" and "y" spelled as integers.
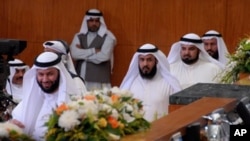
{"x": 8, "y": 49}
{"x": 11, "y": 47}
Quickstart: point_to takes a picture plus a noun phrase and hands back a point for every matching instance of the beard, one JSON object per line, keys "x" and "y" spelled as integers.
{"x": 215, "y": 55}
{"x": 52, "y": 88}
{"x": 189, "y": 61}
{"x": 148, "y": 75}
{"x": 93, "y": 28}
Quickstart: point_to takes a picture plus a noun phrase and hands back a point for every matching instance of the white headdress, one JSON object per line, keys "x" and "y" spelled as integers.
{"x": 162, "y": 67}
{"x": 61, "y": 47}
{"x": 222, "y": 48}
{"x": 94, "y": 13}
{"x": 13, "y": 65}
{"x": 190, "y": 39}
{"x": 16, "y": 64}
{"x": 28, "y": 109}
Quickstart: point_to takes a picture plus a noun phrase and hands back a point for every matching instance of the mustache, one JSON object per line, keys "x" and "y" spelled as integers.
{"x": 145, "y": 67}
{"x": 185, "y": 56}
{"x": 19, "y": 77}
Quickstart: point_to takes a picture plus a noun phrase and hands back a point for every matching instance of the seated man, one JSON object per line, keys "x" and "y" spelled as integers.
{"x": 149, "y": 80}
{"x": 215, "y": 46}
{"x": 15, "y": 80}
{"x": 46, "y": 85}
{"x": 190, "y": 63}
{"x": 61, "y": 48}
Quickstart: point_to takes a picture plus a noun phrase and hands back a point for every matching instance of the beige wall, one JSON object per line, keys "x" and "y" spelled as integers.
{"x": 134, "y": 22}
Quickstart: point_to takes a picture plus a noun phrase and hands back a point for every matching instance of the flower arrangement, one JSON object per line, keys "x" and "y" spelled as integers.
{"x": 99, "y": 115}
{"x": 239, "y": 62}
{"x": 11, "y": 132}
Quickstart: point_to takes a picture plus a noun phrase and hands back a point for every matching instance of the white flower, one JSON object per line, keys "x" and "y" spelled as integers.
{"x": 74, "y": 104}
{"x": 115, "y": 90}
{"x": 103, "y": 109}
{"x": 115, "y": 114}
{"x": 75, "y": 97}
{"x": 128, "y": 107}
{"x": 106, "y": 107}
{"x": 247, "y": 41}
{"x": 5, "y": 127}
{"x": 12, "y": 126}
{"x": 3, "y": 131}
{"x": 118, "y": 91}
{"x": 114, "y": 137}
{"x": 127, "y": 117}
{"x": 105, "y": 90}
{"x": 68, "y": 120}
{"x": 90, "y": 106}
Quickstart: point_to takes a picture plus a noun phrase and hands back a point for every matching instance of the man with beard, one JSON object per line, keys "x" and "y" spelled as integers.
{"x": 92, "y": 49}
{"x": 215, "y": 46}
{"x": 46, "y": 85}
{"x": 190, "y": 63}
{"x": 149, "y": 80}
{"x": 15, "y": 80}
{"x": 61, "y": 48}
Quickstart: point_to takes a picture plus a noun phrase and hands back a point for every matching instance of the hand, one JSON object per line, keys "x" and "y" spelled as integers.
{"x": 16, "y": 122}
{"x": 78, "y": 46}
{"x": 97, "y": 50}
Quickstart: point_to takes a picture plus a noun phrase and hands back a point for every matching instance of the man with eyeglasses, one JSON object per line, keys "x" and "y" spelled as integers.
{"x": 92, "y": 49}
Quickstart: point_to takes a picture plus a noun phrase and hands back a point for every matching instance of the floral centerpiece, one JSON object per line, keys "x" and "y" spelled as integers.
{"x": 11, "y": 132}
{"x": 99, "y": 115}
{"x": 239, "y": 62}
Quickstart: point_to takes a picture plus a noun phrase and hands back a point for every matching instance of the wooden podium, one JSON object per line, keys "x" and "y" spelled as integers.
{"x": 163, "y": 128}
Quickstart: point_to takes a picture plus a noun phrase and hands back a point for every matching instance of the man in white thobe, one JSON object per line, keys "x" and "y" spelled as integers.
{"x": 190, "y": 63}
{"x": 62, "y": 49}
{"x": 215, "y": 46}
{"x": 149, "y": 80}
{"x": 46, "y": 85}
{"x": 92, "y": 49}
{"x": 14, "y": 83}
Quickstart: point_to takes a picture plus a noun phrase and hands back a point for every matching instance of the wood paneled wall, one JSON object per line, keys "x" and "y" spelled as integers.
{"x": 134, "y": 22}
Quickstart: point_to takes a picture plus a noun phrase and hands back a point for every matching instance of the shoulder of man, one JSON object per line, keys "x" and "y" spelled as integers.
{"x": 73, "y": 75}
{"x": 111, "y": 35}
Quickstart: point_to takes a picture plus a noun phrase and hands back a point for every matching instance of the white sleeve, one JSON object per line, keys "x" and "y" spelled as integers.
{"x": 77, "y": 53}
{"x": 106, "y": 52}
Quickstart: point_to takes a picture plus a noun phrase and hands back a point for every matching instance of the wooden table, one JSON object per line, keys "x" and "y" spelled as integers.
{"x": 163, "y": 128}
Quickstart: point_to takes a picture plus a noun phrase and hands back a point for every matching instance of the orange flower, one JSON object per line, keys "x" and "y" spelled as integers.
{"x": 90, "y": 97}
{"x": 114, "y": 123}
{"x": 114, "y": 98}
{"x": 61, "y": 108}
